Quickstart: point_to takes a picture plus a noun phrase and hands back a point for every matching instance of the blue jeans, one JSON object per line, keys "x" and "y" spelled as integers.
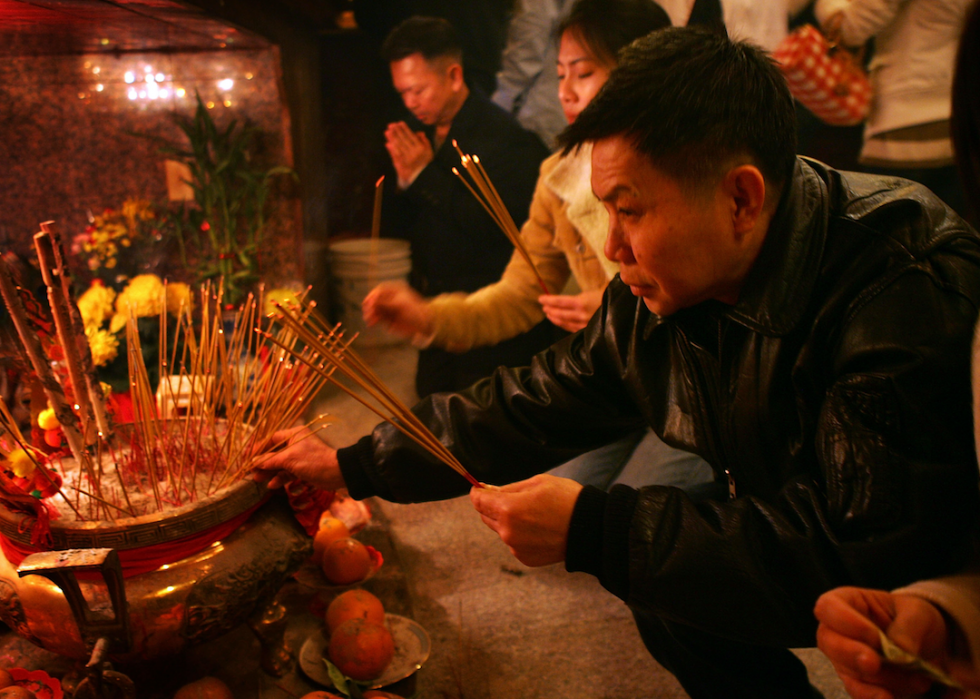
{"x": 638, "y": 459}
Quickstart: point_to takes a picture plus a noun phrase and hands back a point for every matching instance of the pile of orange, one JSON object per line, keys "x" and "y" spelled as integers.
{"x": 360, "y": 645}
{"x": 10, "y": 690}
{"x": 344, "y": 560}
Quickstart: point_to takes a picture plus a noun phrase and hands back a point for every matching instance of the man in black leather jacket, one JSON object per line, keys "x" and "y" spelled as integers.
{"x": 806, "y": 331}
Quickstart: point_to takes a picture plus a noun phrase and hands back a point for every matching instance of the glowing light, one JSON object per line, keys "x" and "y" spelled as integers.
{"x": 210, "y": 105}
{"x": 164, "y": 93}
{"x": 226, "y": 84}
{"x": 170, "y": 588}
{"x": 81, "y": 95}
{"x": 104, "y": 42}
{"x": 227, "y": 103}
{"x": 149, "y": 78}
{"x": 147, "y": 69}
{"x": 152, "y": 91}
{"x": 100, "y": 87}
{"x": 180, "y": 92}
{"x": 160, "y": 77}
{"x": 249, "y": 76}
{"x": 129, "y": 77}
{"x": 142, "y": 94}
{"x": 96, "y": 70}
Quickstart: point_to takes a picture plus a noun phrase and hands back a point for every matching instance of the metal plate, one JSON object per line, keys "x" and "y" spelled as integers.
{"x": 412, "y": 648}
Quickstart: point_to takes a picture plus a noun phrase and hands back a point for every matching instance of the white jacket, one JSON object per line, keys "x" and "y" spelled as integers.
{"x": 762, "y": 22}
{"x": 915, "y": 48}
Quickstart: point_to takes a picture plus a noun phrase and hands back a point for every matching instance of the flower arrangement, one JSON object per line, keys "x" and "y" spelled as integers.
{"x": 121, "y": 243}
{"x": 105, "y": 313}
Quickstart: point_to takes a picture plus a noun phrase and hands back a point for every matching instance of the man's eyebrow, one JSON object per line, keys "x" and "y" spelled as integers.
{"x": 615, "y": 192}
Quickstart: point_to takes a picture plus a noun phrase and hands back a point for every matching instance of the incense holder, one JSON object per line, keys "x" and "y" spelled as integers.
{"x": 65, "y": 599}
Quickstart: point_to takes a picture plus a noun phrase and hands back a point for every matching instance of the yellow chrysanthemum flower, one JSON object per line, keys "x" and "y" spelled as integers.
{"x": 95, "y": 305}
{"x": 179, "y": 294}
{"x": 104, "y": 345}
{"x": 144, "y": 294}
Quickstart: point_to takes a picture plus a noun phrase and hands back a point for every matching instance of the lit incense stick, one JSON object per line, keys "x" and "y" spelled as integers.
{"x": 489, "y": 198}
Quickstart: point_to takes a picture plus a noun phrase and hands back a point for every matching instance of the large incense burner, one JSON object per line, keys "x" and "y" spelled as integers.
{"x": 134, "y": 539}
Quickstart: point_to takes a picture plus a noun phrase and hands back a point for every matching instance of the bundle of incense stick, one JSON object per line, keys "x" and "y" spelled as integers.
{"x": 326, "y": 353}
{"x": 488, "y": 197}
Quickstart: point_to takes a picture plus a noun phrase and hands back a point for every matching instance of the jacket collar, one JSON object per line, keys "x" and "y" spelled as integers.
{"x": 777, "y": 289}
{"x": 571, "y": 181}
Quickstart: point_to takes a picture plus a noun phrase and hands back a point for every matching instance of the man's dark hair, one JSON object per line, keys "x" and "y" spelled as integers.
{"x": 433, "y": 37}
{"x": 692, "y": 100}
{"x": 606, "y": 26}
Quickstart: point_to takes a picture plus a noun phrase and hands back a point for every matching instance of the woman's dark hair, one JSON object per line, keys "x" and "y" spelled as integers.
{"x": 433, "y": 37}
{"x": 692, "y": 100}
{"x": 606, "y": 26}
{"x": 965, "y": 120}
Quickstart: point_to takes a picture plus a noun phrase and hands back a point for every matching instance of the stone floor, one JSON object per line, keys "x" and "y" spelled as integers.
{"x": 497, "y": 628}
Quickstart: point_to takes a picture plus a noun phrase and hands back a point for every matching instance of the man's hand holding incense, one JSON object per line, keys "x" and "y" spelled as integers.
{"x": 399, "y": 308}
{"x": 410, "y": 152}
{"x": 850, "y": 618}
{"x": 531, "y": 517}
{"x": 571, "y": 312}
{"x": 298, "y": 453}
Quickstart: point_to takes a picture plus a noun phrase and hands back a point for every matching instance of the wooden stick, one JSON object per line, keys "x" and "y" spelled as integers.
{"x": 96, "y": 397}
{"x": 63, "y": 326}
{"x": 52, "y": 389}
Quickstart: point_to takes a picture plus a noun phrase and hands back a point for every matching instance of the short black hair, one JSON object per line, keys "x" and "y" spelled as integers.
{"x": 433, "y": 37}
{"x": 606, "y": 26}
{"x": 692, "y": 100}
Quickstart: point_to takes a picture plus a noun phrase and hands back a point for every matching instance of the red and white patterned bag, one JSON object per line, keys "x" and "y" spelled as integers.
{"x": 827, "y": 80}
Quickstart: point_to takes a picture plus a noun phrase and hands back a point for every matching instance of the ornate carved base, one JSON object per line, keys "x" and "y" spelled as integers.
{"x": 269, "y": 625}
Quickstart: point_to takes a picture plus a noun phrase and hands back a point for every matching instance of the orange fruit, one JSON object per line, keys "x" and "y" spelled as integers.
{"x": 6, "y": 679}
{"x": 354, "y": 604}
{"x": 330, "y": 530}
{"x": 346, "y": 561}
{"x": 205, "y": 688}
{"x": 320, "y": 694}
{"x": 16, "y": 692}
{"x": 361, "y": 650}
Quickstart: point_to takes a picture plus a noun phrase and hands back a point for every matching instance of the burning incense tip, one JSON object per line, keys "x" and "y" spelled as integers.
{"x": 380, "y": 180}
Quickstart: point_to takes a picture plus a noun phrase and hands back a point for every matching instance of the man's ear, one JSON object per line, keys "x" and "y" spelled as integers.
{"x": 455, "y": 74}
{"x": 746, "y": 188}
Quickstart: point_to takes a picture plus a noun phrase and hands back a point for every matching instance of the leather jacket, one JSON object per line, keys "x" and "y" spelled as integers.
{"x": 834, "y": 397}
